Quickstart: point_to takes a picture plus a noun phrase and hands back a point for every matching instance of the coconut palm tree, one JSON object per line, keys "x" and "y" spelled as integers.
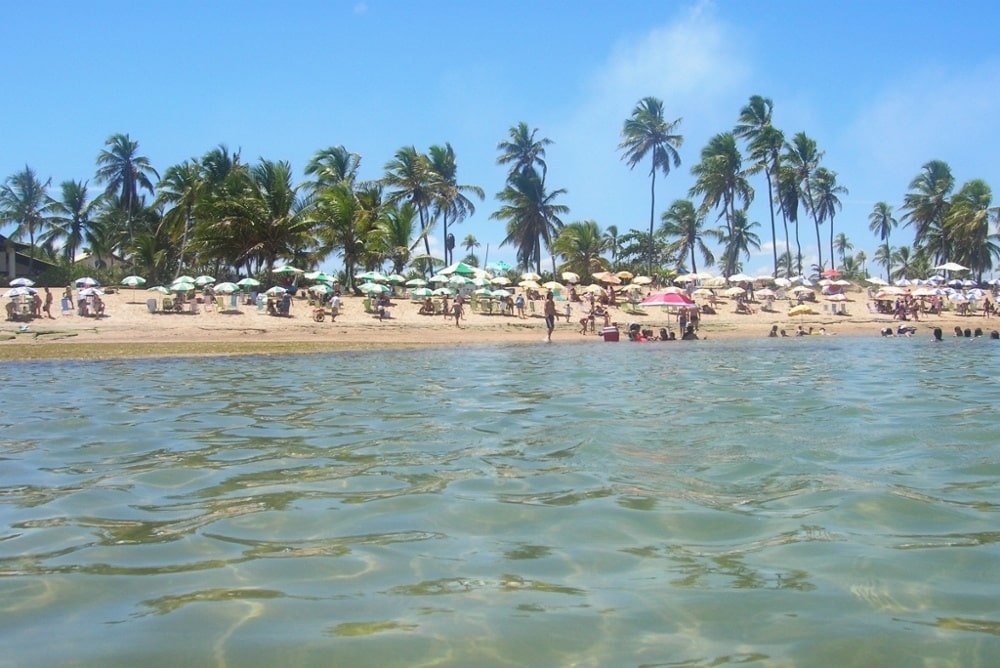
{"x": 470, "y": 243}
{"x": 394, "y": 235}
{"x": 903, "y": 258}
{"x": 883, "y": 256}
{"x": 648, "y": 133}
{"x": 409, "y": 177}
{"x": 926, "y": 205}
{"x": 611, "y": 233}
{"x": 842, "y": 244}
{"x": 788, "y": 192}
{"x": 721, "y": 179}
{"x": 685, "y": 223}
{"x": 522, "y": 151}
{"x": 451, "y": 198}
{"x": 802, "y": 157}
{"x": 532, "y": 217}
{"x": 737, "y": 242}
{"x": 125, "y": 171}
{"x": 861, "y": 258}
{"x": 764, "y": 143}
{"x": 25, "y": 204}
{"x": 346, "y": 219}
{"x": 582, "y": 244}
{"x": 72, "y": 216}
{"x": 968, "y": 223}
{"x": 827, "y": 202}
{"x": 881, "y": 222}
{"x": 182, "y": 186}
{"x": 333, "y": 165}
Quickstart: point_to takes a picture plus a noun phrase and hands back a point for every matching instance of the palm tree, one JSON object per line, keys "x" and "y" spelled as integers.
{"x": 764, "y": 142}
{"x": 346, "y": 219}
{"x": 611, "y": 233}
{"x": 802, "y": 157}
{"x": 788, "y": 193}
{"x": 684, "y": 222}
{"x": 334, "y": 165}
{"x": 927, "y": 203}
{"x": 394, "y": 232}
{"x": 582, "y": 244}
{"x": 827, "y": 201}
{"x": 842, "y": 244}
{"x": 182, "y": 186}
{"x": 470, "y": 243}
{"x": 450, "y": 197}
{"x": 903, "y": 257}
{"x": 881, "y": 222}
{"x": 737, "y": 242}
{"x": 125, "y": 171}
{"x": 968, "y": 223}
{"x": 883, "y": 256}
{"x": 647, "y": 132}
{"x": 24, "y": 203}
{"x": 861, "y": 258}
{"x": 410, "y": 178}
{"x": 532, "y": 217}
{"x": 720, "y": 178}
{"x": 522, "y": 151}
{"x": 71, "y": 217}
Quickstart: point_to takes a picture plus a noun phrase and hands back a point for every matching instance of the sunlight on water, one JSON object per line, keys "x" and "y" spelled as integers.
{"x": 821, "y": 501}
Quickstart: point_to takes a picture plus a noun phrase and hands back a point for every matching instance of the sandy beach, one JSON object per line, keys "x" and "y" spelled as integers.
{"x": 129, "y": 330}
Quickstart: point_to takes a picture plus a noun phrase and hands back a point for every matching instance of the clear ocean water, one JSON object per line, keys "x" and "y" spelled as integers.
{"x": 826, "y": 501}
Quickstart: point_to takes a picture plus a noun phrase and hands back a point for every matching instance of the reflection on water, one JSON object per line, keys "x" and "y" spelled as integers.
{"x": 810, "y": 502}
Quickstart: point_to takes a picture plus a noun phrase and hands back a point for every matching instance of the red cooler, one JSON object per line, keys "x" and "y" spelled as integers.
{"x": 610, "y": 333}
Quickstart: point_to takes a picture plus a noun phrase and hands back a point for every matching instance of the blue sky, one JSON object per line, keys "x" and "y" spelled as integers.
{"x": 883, "y": 87}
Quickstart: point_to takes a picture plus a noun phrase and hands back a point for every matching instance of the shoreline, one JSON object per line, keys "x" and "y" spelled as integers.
{"x": 131, "y": 331}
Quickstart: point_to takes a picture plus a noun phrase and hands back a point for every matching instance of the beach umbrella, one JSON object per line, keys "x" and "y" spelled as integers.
{"x": 839, "y": 297}
{"x": 782, "y": 282}
{"x": 178, "y": 286}
{"x": 667, "y": 299}
{"x": 642, "y": 280}
{"x": 416, "y": 282}
{"x": 457, "y": 281}
{"x": 375, "y": 288}
{"x": 951, "y": 266}
{"x": 444, "y": 291}
{"x": 320, "y": 289}
{"x": 439, "y": 278}
{"x": 248, "y": 282}
{"x": 395, "y": 278}
{"x": 802, "y": 309}
{"x": 552, "y": 285}
{"x": 500, "y": 294}
{"x": 372, "y": 277}
{"x": 86, "y": 282}
{"x": 608, "y": 277}
{"x": 226, "y": 288}
{"x": 287, "y": 270}
{"x": 20, "y": 291}
{"x": 459, "y": 268}
{"x": 158, "y": 288}
{"x": 592, "y": 288}
{"x": 203, "y": 280}
{"x": 703, "y": 293}
{"x": 625, "y": 275}
{"x": 734, "y": 291}
{"x": 739, "y": 278}
{"x": 830, "y": 273}
{"x": 479, "y": 281}
{"x": 570, "y": 277}
{"x": 530, "y": 276}
{"x": 276, "y": 290}
{"x": 184, "y": 279}
{"x": 500, "y": 280}
{"x": 133, "y": 281}
{"x": 22, "y": 283}
{"x": 91, "y": 292}
{"x": 765, "y": 292}
{"x": 482, "y": 292}
{"x": 529, "y": 284}
{"x": 422, "y": 292}
{"x": 499, "y": 265}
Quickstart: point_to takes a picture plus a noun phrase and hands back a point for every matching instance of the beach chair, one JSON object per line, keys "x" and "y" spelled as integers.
{"x": 67, "y": 306}
{"x": 151, "y": 305}
{"x": 367, "y": 304}
{"x": 220, "y": 303}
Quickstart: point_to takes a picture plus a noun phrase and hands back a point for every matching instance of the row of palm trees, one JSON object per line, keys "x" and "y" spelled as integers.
{"x": 218, "y": 214}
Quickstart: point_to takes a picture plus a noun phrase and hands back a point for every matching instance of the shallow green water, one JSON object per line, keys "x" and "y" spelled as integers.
{"x": 821, "y": 501}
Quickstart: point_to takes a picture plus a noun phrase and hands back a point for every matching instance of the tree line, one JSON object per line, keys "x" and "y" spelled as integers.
{"x": 219, "y": 214}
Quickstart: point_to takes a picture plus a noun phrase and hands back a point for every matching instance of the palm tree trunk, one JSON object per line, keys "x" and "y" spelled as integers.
{"x": 832, "y": 264}
{"x": 652, "y": 209}
{"x": 694, "y": 266}
{"x": 798, "y": 248}
{"x": 774, "y": 236}
{"x": 819, "y": 246}
{"x": 444, "y": 222}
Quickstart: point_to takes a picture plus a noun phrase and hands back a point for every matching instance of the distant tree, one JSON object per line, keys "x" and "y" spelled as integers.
{"x": 611, "y": 233}
{"x": 721, "y": 179}
{"x": 72, "y": 216}
{"x": 532, "y": 217}
{"x": 881, "y": 222}
{"x": 647, "y": 133}
{"x": 927, "y": 203}
{"x": 764, "y": 143}
{"x": 737, "y": 243}
{"x": 686, "y": 224}
{"x": 409, "y": 177}
{"x": 522, "y": 151}
{"x": 582, "y": 244}
{"x": 451, "y": 199}
{"x": 842, "y": 244}
{"x": 826, "y": 192}
{"x": 802, "y": 158}
{"x": 25, "y": 204}
{"x": 120, "y": 166}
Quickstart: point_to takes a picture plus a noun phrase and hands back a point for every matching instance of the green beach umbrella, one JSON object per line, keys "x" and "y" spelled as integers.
{"x": 181, "y": 286}
{"x": 320, "y": 289}
{"x": 158, "y": 288}
{"x": 184, "y": 279}
{"x": 444, "y": 291}
{"x": 416, "y": 282}
{"x": 248, "y": 282}
{"x": 371, "y": 277}
{"x": 133, "y": 281}
{"x": 287, "y": 270}
{"x": 373, "y": 288}
{"x": 204, "y": 280}
{"x": 226, "y": 288}
{"x": 422, "y": 292}
{"x": 276, "y": 290}
{"x": 395, "y": 278}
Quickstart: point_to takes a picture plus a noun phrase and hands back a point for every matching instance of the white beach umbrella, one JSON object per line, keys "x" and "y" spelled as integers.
{"x": 416, "y": 283}
{"x": 570, "y": 277}
{"x": 133, "y": 281}
{"x": 500, "y": 280}
{"x": 226, "y": 288}
{"x": 530, "y": 276}
{"x": 22, "y": 283}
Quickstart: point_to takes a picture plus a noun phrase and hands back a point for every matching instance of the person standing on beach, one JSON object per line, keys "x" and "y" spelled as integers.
{"x": 456, "y": 309}
{"x": 550, "y": 315}
{"x": 48, "y": 304}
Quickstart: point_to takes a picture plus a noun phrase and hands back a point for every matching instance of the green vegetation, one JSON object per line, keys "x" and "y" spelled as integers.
{"x": 219, "y": 215}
